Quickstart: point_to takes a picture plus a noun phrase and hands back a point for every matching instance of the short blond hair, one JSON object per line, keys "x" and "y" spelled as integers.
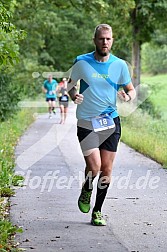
{"x": 102, "y": 27}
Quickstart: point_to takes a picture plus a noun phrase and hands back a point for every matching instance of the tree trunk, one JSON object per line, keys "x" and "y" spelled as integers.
{"x": 135, "y": 50}
{"x": 136, "y": 63}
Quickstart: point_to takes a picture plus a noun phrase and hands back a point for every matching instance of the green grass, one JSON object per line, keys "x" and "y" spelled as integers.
{"x": 158, "y": 86}
{"x": 7, "y": 230}
{"x": 10, "y": 131}
{"x": 145, "y": 133}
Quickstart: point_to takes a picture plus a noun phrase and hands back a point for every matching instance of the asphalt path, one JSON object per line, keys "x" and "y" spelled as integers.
{"x": 49, "y": 157}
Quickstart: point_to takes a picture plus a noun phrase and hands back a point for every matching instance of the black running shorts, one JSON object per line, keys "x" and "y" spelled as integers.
{"x": 50, "y": 99}
{"x": 107, "y": 139}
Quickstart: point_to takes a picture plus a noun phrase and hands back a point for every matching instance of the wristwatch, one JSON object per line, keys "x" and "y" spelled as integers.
{"x": 129, "y": 97}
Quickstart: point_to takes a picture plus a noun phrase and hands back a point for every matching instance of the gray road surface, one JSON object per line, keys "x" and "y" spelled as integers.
{"x": 49, "y": 157}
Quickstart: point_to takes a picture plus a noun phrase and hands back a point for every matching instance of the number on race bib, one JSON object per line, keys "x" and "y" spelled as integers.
{"x": 102, "y": 122}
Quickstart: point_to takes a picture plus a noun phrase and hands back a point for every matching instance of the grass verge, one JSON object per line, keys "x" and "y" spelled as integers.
{"x": 146, "y": 135}
{"x": 157, "y": 84}
{"x": 10, "y": 131}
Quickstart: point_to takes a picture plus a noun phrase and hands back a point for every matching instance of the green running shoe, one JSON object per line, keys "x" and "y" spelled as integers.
{"x": 97, "y": 219}
{"x": 84, "y": 201}
{"x": 54, "y": 111}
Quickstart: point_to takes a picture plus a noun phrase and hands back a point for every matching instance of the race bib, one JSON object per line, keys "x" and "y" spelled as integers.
{"x": 50, "y": 92}
{"x": 102, "y": 122}
{"x": 64, "y": 98}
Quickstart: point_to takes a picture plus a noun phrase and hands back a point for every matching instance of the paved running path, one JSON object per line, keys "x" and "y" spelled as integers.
{"x": 49, "y": 157}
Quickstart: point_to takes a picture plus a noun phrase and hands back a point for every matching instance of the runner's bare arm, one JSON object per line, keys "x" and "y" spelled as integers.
{"x": 128, "y": 94}
{"x": 44, "y": 90}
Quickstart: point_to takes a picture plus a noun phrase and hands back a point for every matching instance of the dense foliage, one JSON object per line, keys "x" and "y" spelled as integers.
{"x": 38, "y": 36}
{"x": 46, "y": 35}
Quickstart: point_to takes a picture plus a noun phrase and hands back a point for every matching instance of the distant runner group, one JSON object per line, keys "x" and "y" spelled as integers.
{"x": 54, "y": 90}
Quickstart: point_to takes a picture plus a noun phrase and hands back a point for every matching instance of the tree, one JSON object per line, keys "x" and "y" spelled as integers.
{"x": 9, "y": 37}
{"x": 59, "y": 30}
{"x": 154, "y": 54}
{"x": 145, "y": 17}
{"x": 136, "y": 22}
{"x": 56, "y": 31}
{"x": 9, "y": 56}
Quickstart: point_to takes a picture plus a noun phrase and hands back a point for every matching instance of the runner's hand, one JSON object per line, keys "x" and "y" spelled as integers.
{"x": 78, "y": 99}
{"x": 123, "y": 96}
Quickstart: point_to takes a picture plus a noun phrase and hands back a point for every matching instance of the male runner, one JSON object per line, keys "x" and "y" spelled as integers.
{"x": 101, "y": 75}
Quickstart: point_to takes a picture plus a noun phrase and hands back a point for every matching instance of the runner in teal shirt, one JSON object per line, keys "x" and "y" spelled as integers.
{"x": 49, "y": 88}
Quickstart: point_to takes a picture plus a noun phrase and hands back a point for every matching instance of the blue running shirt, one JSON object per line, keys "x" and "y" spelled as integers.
{"x": 50, "y": 86}
{"x": 99, "y": 83}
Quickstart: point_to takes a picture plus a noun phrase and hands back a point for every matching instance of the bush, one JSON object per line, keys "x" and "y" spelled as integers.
{"x": 154, "y": 58}
{"x": 150, "y": 108}
{"x": 148, "y": 105}
{"x": 9, "y": 97}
